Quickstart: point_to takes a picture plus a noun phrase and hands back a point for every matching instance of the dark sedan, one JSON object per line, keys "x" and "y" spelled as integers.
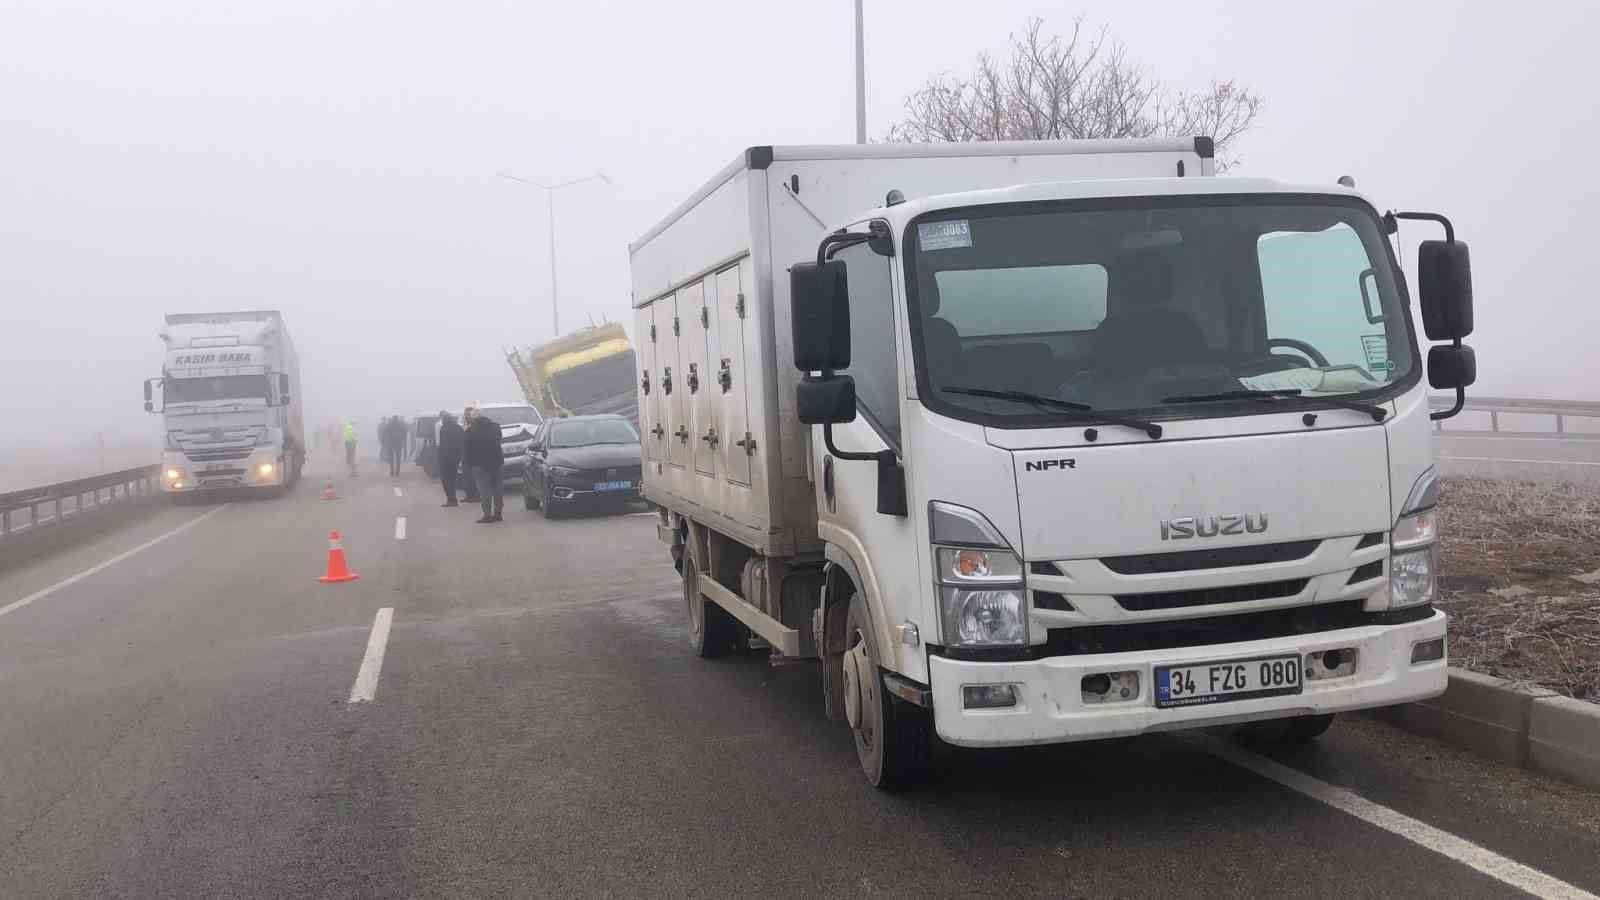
{"x": 582, "y": 461}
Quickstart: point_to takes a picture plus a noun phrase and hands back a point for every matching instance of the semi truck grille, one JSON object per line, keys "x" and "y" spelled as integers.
{"x": 1192, "y": 560}
{"x": 221, "y": 473}
{"x": 1233, "y": 593}
{"x": 218, "y": 454}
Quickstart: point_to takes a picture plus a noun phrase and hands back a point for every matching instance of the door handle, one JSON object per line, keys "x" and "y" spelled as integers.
{"x": 694, "y": 378}
{"x": 725, "y": 376}
{"x": 658, "y": 431}
{"x": 711, "y": 438}
{"x": 749, "y": 444}
{"x": 682, "y": 434}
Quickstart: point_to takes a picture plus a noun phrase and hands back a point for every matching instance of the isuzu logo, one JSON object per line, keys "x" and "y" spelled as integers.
{"x": 1045, "y": 465}
{"x": 1210, "y": 526}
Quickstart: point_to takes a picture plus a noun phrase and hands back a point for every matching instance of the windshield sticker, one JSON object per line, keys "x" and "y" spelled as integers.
{"x": 944, "y": 235}
{"x": 1376, "y": 346}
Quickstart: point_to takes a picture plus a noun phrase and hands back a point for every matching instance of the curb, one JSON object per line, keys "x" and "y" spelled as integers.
{"x": 1531, "y": 727}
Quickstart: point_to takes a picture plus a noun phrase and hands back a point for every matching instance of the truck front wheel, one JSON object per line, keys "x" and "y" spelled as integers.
{"x": 711, "y": 629}
{"x": 893, "y": 737}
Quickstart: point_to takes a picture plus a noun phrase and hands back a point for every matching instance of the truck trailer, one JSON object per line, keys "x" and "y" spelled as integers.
{"x": 229, "y": 396}
{"x": 587, "y": 372}
{"x": 1042, "y": 442}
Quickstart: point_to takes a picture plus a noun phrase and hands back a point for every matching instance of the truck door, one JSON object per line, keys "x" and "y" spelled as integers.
{"x": 730, "y": 320}
{"x": 648, "y": 373}
{"x": 674, "y": 378}
{"x": 700, "y": 361}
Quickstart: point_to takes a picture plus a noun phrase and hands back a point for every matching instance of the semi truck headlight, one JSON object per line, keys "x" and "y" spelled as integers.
{"x": 174, "y": 474}
{"x": 264, "y": 469}
{"x": 982, "y": 597}
{"x": 1414, "y": 553}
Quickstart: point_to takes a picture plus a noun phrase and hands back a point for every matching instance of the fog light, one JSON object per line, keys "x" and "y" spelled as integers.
{"x": 988, "y": 696}
{"x": 177, "y": 484}
{"x": 1427, "y": 651}
{"x": 1337, "y": 663}
{"x": 1110, "y": 687}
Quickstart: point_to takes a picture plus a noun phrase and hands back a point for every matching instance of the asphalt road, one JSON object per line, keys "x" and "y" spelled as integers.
{"x": 178, "y": 723}
{"x": 1531, "y": 457}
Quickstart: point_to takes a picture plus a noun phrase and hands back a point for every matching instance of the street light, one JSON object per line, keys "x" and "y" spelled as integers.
{"x": 550, "y": 197}
{"x": 861, "y": 80}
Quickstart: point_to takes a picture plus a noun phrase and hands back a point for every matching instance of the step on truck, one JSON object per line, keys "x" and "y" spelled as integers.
{"x": 1044, "y": 442}
{"x": 229, "y": 398}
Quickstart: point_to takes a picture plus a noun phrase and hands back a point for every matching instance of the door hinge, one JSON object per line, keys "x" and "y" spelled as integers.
{"x": 652, "y": 332}
{"x": 676, "y": 329}
{"x": 738, "y": 305}
{"x": 705, "y": 317}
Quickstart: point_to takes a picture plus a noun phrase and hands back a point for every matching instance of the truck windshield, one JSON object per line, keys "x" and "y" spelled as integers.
{"x": 1141, "y": 304}
{"x": 221, "y": 387}
{"x": 597, "y": 380}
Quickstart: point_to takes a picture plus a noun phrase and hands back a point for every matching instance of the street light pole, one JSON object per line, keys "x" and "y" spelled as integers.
{"x": 861, "y": 80}
{"x": 550, "y": 198}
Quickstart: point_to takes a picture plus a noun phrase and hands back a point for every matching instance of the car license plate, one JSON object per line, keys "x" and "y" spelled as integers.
{"x": 1233, "y": 679}
{"x": 612, "y": 485}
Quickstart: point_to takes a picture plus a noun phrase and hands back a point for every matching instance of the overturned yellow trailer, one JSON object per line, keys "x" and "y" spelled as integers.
{"x": 586, "y": 372}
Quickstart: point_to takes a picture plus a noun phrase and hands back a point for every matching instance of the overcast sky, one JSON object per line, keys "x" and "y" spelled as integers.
{"x": 336, "y": 160}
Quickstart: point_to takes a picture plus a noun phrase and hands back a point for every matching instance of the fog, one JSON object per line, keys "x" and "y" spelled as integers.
{"x": 336, "y": 160}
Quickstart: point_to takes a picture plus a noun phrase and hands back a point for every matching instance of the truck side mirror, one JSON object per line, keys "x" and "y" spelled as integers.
{"x": 819, "y": 316}
{"x": 1452, "y": 366}
{"x": 826, "y": 400}
{"x": 1444, "y": 280}
{"x": 149, "y": 394}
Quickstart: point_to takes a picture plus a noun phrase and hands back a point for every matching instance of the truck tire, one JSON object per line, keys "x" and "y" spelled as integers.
{"x": 712, "y": 631}
{"x": 893, "y": 738}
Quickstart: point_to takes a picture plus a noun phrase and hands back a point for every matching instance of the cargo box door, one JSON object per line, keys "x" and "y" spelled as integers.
{"x": 733, "y": 330}
{"x": 701, "y": 379}
{"x": 674, "y": 378}
{"x": 649, "y": 383}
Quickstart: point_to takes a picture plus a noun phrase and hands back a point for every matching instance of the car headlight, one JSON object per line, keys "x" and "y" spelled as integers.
{"x": 1414, "y": 551}
{"x": 564, "y": 471}
{"x": 982, "y": 597}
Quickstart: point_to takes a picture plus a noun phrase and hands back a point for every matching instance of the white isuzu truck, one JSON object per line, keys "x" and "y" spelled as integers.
{"x": 229, "y": 395}
{"x": 1045, "y": 442}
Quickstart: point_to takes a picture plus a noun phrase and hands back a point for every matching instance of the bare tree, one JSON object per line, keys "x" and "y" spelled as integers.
{"x": 1072, "y": 86}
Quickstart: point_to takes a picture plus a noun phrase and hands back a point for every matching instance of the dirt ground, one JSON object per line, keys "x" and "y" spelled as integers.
{"x": 1511, "y": 577}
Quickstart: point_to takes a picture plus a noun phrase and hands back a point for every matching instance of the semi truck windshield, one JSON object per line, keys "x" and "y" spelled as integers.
{"x": 221, "y": 387}
{"x": 1131, "y": 304}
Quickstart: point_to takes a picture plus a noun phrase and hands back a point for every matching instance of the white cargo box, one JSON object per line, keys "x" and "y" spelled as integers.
{"x": 711, "y": 295}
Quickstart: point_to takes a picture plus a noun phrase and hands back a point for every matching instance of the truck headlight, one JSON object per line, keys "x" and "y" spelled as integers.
{"x": 982, "y": 596}
{"x": 1414, "y": 553}
{"x": 174, "y": 474}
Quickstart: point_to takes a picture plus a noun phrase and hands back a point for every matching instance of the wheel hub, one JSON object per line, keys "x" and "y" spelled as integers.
{"x": 856, "y": 666}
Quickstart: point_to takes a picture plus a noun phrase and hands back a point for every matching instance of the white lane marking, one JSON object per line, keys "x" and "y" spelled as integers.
{"x": 40, "y": 595}
{"x": 397, "y": 493}
{"x": 400, "y": 528}
{"x": 1444, "y": 843}
{"x": 1501, "y": 459}
{"x": 366, "y": 686}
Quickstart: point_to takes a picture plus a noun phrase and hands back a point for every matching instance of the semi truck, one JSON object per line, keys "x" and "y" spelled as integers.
{"x": 229, "y": 397}
{"x": 1041, "y": 442}
{"x": 587, "y": 372}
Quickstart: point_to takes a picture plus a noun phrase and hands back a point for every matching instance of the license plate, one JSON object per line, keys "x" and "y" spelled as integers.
{"x": 1198, "y": 684}
{"x": 613, "y": 485}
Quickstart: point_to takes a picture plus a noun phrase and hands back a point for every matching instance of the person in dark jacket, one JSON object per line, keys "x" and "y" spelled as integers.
{"x": 393, "y": 436}
{"x": 484, "y": 456}
{"x": 451, "y": 438}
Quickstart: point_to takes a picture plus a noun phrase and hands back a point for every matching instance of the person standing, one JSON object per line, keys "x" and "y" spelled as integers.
{"x": 484, "y": 457}
{"x": 469, "y": 486}
{"x": 449, "y": 455}
{"x": 350, "y": 447}
{"x": 394, "y": 443}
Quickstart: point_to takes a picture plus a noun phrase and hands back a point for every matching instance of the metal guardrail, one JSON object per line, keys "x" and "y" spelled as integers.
{"x": 73, "y": 498}
{"x": 1494, "y": 406}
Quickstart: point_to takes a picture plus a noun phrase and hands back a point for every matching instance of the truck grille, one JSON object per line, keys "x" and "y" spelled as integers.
{"x": 220, "y": 473}
{"x": 1251, "y": 626}
{"x": 1233, "y": 593}
{"x": 214, "y": 455}
{"x": 1192, "y": 560}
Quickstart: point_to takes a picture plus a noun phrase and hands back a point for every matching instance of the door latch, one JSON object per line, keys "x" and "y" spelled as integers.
{"x": 749, "y": 444}
{"x": 710, "y": 437}
{"x": 724, "y": 375}
{"x": 694, "y": 378}
{"x": 682, "y": 434}
{"x": 666, "y": 380}
{"x": 644, "y": 383}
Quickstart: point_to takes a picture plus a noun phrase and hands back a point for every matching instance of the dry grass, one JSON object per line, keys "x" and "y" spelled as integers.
{"x": 1505, "y": 534}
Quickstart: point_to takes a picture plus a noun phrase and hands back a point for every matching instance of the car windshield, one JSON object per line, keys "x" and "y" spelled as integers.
{"x": 512, "y": 415}
{"x": 582, "y": 432}
{"x": 220, "y": 387}
{"x": 1148, "y": 305}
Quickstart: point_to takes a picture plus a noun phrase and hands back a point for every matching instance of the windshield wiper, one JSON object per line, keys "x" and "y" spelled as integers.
{"x": 1377, "y": 413}
{"x": 1086, "y": 411}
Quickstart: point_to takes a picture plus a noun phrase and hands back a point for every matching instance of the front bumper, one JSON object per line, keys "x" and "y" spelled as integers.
{"x": 1051, "y": 708}
{"x": 221, "y": 475}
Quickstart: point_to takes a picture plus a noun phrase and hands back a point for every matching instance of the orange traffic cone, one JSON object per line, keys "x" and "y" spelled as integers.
{"x": 327, "y": 492}
{"x": 337, "y": 570}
